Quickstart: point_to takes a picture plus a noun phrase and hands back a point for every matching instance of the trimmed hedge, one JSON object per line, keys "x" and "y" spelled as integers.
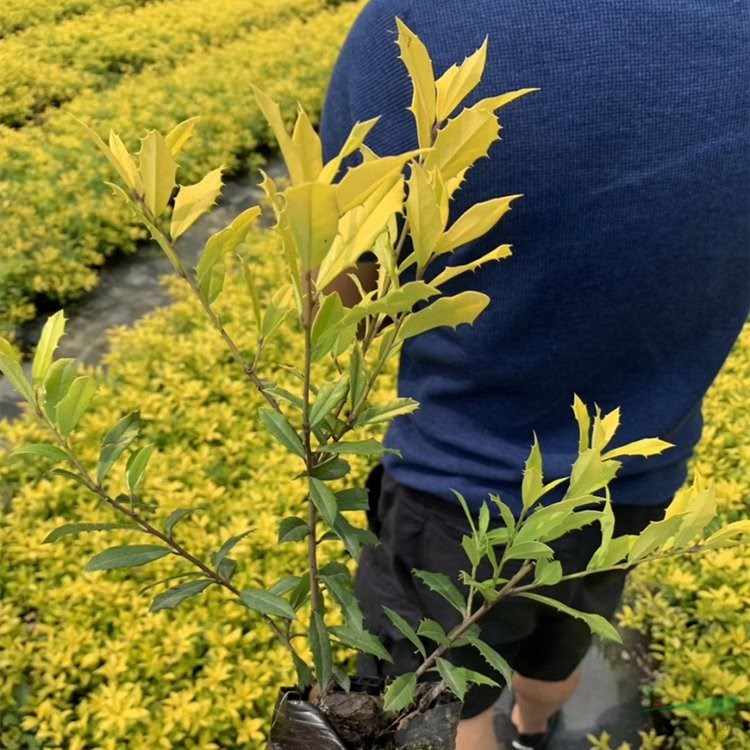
{"x": 60, "y": 220}
{"x": 49, "y": 65}
{"x": 695, "y": 609}
{"x": 82, "y": 663}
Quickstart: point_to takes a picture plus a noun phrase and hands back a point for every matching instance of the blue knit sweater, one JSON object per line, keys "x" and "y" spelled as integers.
{"x": 630, "y": 277}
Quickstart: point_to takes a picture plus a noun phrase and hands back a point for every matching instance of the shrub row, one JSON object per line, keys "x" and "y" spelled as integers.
{"x": 694, "y": 609}
{"x": 16, "y": 15}
{"x": 61, "y": 221}
{"x": 49, "y": 65}
{"x": 82, "y": 663}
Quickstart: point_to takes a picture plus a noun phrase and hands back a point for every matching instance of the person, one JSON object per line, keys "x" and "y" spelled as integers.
{"x": 628, "y": 285}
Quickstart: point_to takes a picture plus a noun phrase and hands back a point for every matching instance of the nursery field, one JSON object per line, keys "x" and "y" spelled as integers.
{"x": 83, "y": 664}
{"x": 132, "y": 66}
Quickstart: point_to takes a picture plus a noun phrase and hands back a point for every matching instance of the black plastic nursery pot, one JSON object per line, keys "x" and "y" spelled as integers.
{"x": 355, "y": 721}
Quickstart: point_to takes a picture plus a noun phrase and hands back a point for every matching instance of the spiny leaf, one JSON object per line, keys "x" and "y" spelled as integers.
{"x": 475, "y": 222}
{"x": 362, "y": 641}
{"x": 179, "y": 135}
{"x": 157, "y": 168}
{"x": 459, "y": 81}
{"x": 442, "y": 585}
{"x": 400, "y": 693}
{"x": 405, "y": 629}
{"x": 454, "y": 678}
{"x": 193, "y": 201}
{"x": 450, "y": 272}
{"x": 447, "y": 311}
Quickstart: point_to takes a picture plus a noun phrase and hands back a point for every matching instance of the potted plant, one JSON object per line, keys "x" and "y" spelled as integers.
{"x": 324, "y": 226}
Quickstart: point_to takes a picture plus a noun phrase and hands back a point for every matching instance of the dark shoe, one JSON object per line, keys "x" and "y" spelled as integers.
{"x": 534, "y": 741}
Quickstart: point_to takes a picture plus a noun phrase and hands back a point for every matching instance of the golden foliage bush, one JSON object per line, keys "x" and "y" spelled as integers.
{"x": 60, "y": 220}
{"x": 51, "y": 64}
{"x": 16, "y": 15}
{"x": 82, "y": 663}
{"x": 694, "y": 609}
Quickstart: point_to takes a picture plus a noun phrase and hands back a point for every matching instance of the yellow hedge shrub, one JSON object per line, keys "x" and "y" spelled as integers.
{"x": 16, "y": 15}
{"x": 82, "y": 663}
{"x": 60, "y": 219}
{"x": 694, "y": 609}
{"x": 49, "y": 65}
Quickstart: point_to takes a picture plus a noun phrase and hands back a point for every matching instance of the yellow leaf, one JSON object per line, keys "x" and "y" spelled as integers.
{"x": 475, "y": 222}
{"x": 289, "y": 149}
{"x": 463, "y": 140}
{"x": 364, "y": 180}
{"x": 157, "y": 169}
{"x": 450, "y": 272}
{"x": 308, "y": 146}
{"x": 423, "y": 214}
{"x": 356, "y": 138}
{"x": 179, "y": 135}
{"x": 584, "y": 424}
{"x": 493, "y": 103}
{"x": 645, "y": 447}
{"x": 53, "y": 331}
{"x": 447, "y": 311}
{"x": 312, "y": 212}
{"x": 458, "y": 81}
{"x": 126, "y": 164}
{"x": 193, "y": 201}
{"x": 419, "y": 65}
{"x": 604, "y": 429}
{"x": 359, "y": 228}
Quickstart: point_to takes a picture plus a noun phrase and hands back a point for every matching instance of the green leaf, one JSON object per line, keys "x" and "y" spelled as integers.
{"x": 598, "y": 624}
{"x": 361, "y": 640}
{"x": 284, "y": 585}
{"x": 128, "y": 556}
{"x": 70, "y": 529}
{"x": 334, "y": 468}
{"x": 304, "y": 673}
{"x": 10, "y": 366}
{"x": 352, "y": 537}
{"x": 280, "y": 428}
{"x": 342, "y": 594}
{"x": 357, "y": 377}
{"x": 172, "y": 597}
{"x": 442, "y": 585}
{"x": 357, "y": 447}
{"x": 354, "y": 498}
{"x": 157, "y": 168}
{"x": 453, "y": 677}
{"x": 267, "y": 604}
{"x": 320, "y": 645}
{"x": 342, "y": 679}
{"x": 528, "y": 551}
{"x": 400, "y": 693}
{"x": 324, "y": 500}
{"x": 492, "y": 657}
{"x": 292, "y": 529}
{"x": 116, "y": 440}
{"x": 72, "y": 407}
{"x": 615, "y": 551}
{"x": 301, "y": 593}
{"x": 52, "y": 452}
{"x": 330, "y": 396}
{"x": 52, "y": 332}
{"x": 590, "y": 473}
{"x": 227, "y": 547}
{"x": 548, "y": 572}
{"x": 405, "y": 629}
{"x": 175, "y": 517}
{"x": 446, "y": 311}
{"x": 135, "y": 469}
{"x": 193, "y": 201}
{"x": 227, "y": 568}
{"x": 654, "y": 536}
{"x": 386, "y": 412}
{"x": 60, "y": 377}
{"x": 432, "y": 630}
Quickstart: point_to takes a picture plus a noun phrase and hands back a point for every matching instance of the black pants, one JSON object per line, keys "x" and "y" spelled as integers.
{"x": 420, "y": 531}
